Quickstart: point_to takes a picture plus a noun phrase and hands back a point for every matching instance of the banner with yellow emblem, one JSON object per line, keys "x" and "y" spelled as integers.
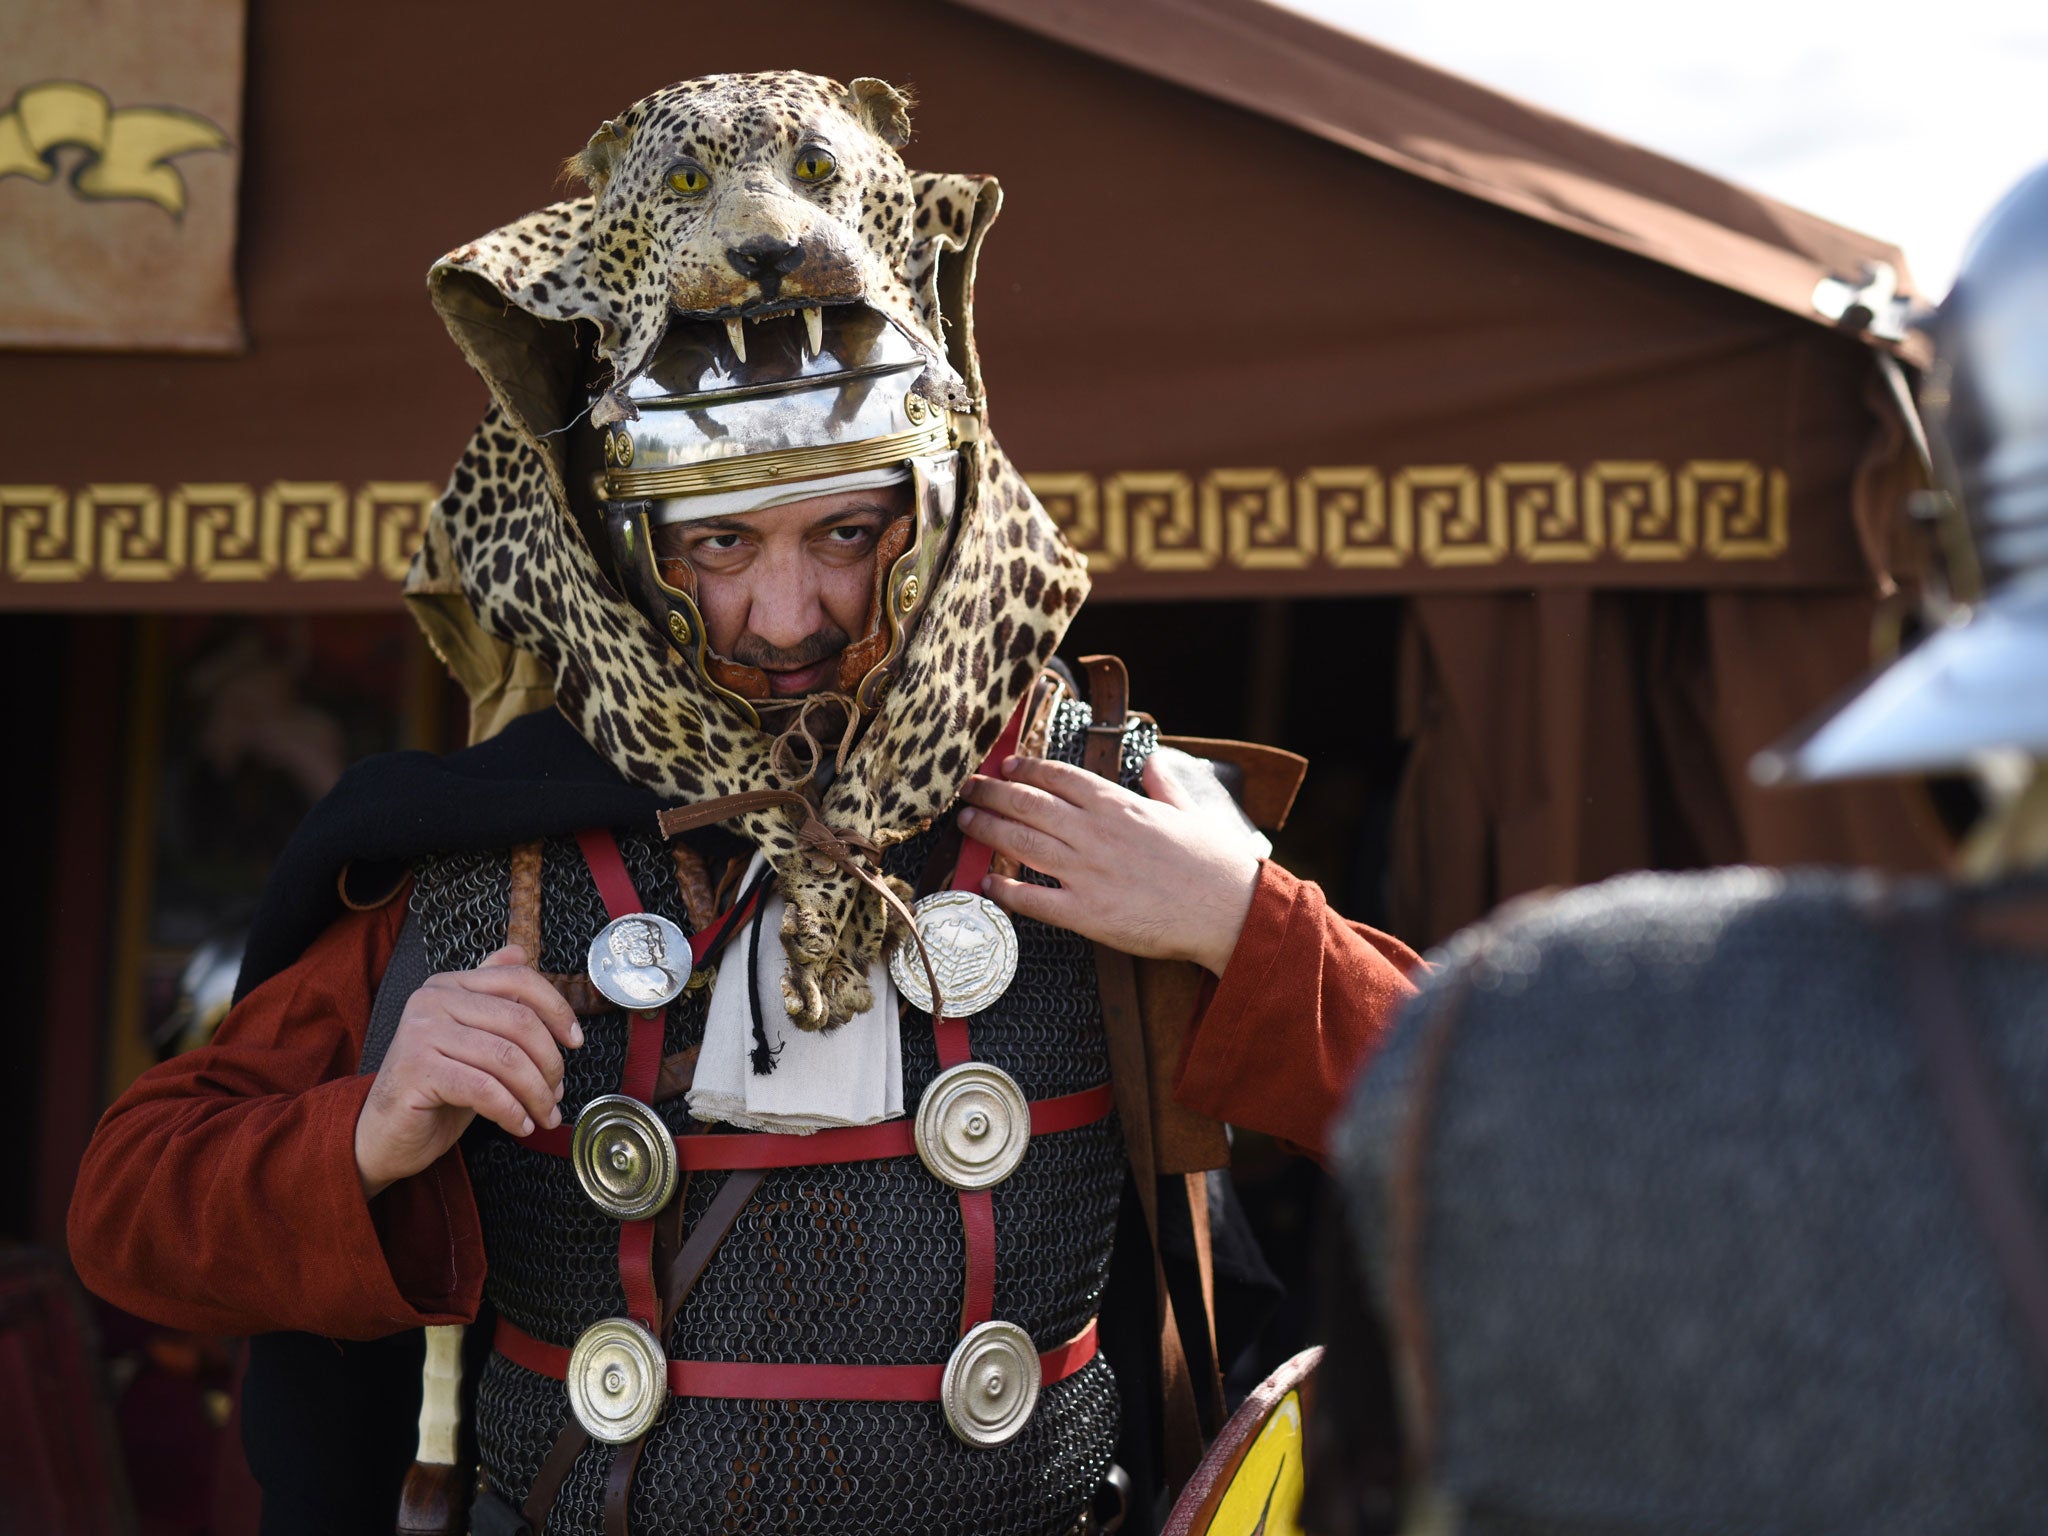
{"x": 119, "y": 156}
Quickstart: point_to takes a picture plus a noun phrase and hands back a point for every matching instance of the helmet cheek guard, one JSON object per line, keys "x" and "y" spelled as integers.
{"x": 907, "y": 565}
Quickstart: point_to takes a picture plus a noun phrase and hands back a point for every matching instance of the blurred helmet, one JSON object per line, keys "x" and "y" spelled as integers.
{"x": 741, "y": 416}
{"x": 1977, "y": 685}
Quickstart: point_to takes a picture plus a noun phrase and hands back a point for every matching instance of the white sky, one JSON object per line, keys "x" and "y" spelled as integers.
{"x": 1902, "y": 120}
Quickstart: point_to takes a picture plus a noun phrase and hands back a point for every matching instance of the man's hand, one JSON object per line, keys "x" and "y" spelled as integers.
{"x": 483, "y": 1042}
{"x": 1159, "y": 877}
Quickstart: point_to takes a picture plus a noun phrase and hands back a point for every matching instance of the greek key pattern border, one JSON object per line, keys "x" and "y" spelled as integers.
{"x": 1342, "y": 517}
{"x": 1441, "y": 516}
{"x": 291, "y": 530}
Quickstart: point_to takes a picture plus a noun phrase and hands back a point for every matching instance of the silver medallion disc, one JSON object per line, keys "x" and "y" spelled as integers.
{"x": 618, "y": 1380}
{"x": 973, "y": 1125}
{"x": 640, "y": 961}
{"x": 991, "y": 1384}
{"x": 973, "y": 950}
{"x": 624, "y": 1157}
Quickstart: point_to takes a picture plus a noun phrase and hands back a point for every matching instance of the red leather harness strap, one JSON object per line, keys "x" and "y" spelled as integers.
{"x": 849, "y": 1144}
{"x": 608, "y": 869}
{"x": 954, "y": 1044}
{"x": 643, "y": 1066}
{"x": 779, "y": 1382}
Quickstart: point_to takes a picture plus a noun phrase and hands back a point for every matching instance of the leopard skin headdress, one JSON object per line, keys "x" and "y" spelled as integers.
{"x": 510, "y": 591}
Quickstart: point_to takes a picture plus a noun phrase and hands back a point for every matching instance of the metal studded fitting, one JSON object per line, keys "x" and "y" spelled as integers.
{"x": 624, "y": 1157}
{"x": 973, "y": 1126}
{"x": 990, "y": 1386}
{"x": 618, "y": 1380}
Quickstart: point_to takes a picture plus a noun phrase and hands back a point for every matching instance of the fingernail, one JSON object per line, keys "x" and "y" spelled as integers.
{"x": 555, "y": 1116}
{"x": 986, "y": 882}
{"x": 575, "y": 1034}
{"x": 966, "y": 814}
{"x": 1010, "y": 766}
{"x": 526, "y": 1126}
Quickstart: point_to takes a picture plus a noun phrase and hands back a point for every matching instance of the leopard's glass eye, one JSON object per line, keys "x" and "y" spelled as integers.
{"x": 688, "y": 179}
{"x": 814, "y": 163}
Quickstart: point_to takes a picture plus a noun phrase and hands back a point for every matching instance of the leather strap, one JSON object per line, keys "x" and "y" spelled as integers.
{"x": 711, "y": 1229}
{"x": 978, "y": 1227}
{"x": 702, "y": 813}
{"x": 643, "y": 1065}
{"x": 1181, "y": 1430}
{"x": 637, "y": 1239}
{"x": 846, "y": 1144}
{"x": 1109, "y": 696}
{"x": 618, "y": 1487}
{"x": 760, "y": 1380}
{"x": 1197, "y": 1186}
{"x": 1994, "y": 1167}
{"x": 1117, "y": 981}
{"x": 554, "y": 1471}
{"x": 522, "y": 905}
{"x": 608, "y": 869}
{"x": 683, "y": 1273}
{"x": 954, "y": 1045}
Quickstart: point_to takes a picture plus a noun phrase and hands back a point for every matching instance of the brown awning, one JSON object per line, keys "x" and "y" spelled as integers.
{"x": 1269, "y": 311}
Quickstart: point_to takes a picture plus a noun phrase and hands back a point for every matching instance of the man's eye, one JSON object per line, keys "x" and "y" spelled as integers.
{"x": 852, "y": 533}
{"x": 720, "y": 541}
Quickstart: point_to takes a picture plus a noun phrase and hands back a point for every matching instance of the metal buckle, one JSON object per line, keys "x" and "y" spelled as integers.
{"x": 617, "y": 1380}
{"x": 990, "y": 1386}
{"x": 973, "y": 1126}
{"x": 624, "y": 1157}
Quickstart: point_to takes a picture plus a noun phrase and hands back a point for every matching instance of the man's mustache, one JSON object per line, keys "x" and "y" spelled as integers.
{"x": 752, "y": 651}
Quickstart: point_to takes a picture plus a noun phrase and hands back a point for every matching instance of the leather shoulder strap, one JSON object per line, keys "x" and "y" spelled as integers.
{"x": 1116, "y": 978}
{"x": 1109, "y": 697}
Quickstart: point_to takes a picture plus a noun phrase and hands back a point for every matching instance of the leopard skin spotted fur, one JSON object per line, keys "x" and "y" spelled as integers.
{"x": 755, "y": 240}
{"x": 627, "y": 258}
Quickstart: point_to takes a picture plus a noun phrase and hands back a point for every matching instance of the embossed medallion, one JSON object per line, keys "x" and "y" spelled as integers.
{"x": 973, "y": 950}
{"x": 640, "y": 961}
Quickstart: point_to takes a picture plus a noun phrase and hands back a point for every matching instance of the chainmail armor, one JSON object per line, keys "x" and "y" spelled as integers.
{"x": 1694, "y": 1254}
{"x": 857, "y": 1263}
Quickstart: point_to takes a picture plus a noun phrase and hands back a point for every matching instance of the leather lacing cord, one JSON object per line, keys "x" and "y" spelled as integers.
{"x": 823, "y": 845}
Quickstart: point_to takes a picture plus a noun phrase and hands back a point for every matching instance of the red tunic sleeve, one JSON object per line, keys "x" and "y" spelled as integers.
{"x": 220, "y": 1193}
{"x": 1306, "y": 997}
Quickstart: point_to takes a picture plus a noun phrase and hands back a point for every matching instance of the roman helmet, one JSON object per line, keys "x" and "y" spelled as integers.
{"x": 1977, "y": 686}
{"x": 739, "y": 417}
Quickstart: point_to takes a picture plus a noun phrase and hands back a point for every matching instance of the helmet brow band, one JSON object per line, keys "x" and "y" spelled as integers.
{"x": 766, "y": 468}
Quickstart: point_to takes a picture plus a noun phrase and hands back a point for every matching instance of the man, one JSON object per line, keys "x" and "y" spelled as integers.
{"x": 789, "y": 594}
{"x": 1715, "y": 1202}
